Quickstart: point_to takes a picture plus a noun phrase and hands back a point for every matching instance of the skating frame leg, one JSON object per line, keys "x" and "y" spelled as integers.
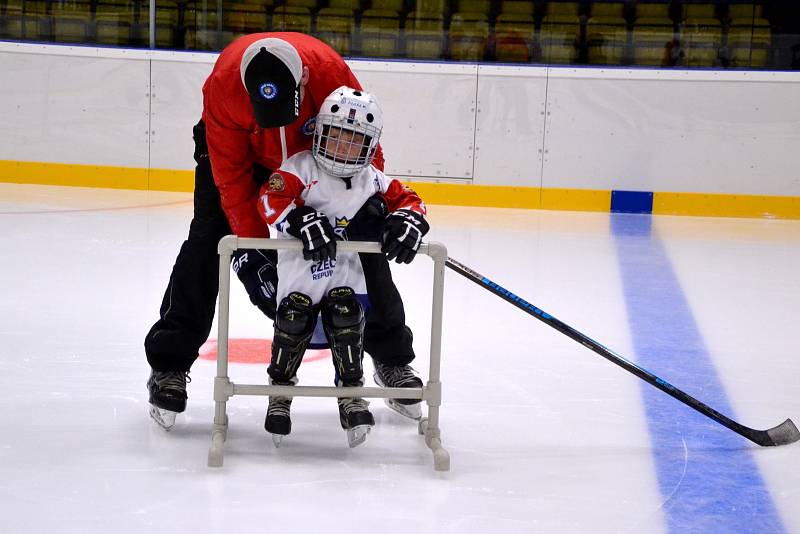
{"x": 222, "y": 385}
{"x": 429, "y": 426}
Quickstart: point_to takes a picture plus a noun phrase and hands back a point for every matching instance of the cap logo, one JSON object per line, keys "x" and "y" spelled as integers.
{"x": 268, "y": 90}
{"x": 309, "y": 126}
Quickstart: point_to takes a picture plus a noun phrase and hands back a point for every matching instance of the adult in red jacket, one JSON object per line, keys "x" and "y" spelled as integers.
{"x": 259, "y": 106}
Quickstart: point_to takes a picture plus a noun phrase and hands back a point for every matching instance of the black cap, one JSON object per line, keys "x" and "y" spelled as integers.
{"x": 273, "y": 85}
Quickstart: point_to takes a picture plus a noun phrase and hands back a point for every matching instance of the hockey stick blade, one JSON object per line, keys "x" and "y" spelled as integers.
{"x": 782, "y": 434}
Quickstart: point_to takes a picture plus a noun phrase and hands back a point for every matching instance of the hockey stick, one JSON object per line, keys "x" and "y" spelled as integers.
{"x": 782, "y": 434}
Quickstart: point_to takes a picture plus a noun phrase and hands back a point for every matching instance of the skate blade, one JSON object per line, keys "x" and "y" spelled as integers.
{"x": 164, "y": 418}
{"x": 412, "y": 411}
{"x": 357, "y": 435}
{"x": 276, "y": 440}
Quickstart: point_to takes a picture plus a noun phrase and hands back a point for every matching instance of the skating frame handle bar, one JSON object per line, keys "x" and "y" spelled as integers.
{"x": 431, "y": 393}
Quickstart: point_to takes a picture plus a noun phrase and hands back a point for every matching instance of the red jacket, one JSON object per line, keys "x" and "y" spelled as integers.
{"x": 235, "y": 142}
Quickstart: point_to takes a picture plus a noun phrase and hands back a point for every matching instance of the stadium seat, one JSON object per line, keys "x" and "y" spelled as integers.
{"x": 392, "y": 5}
{"x": 380, "y": 33}
{"x": 113, "y": 27}
{"x": 71, "y": 22}
{"x": 651, "y": 39}
{"x": 653, "y": 10}
{"x": 517, "y": 7}
{"x": 311, "y": 5}
{"x": 607, "y": 9}
{"x": 335, "y": 27}
{"x": 291, "y": 19}
{"x": 469, "y": 33}
{"x": 701, "y": 38}
{"x": 558, "y": 38}
{"x": 424, "y": 35}
{"x": 514, "y": 37}
{"x": 606, "y": 39}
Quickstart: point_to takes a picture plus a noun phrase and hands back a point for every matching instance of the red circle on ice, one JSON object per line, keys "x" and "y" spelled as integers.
{"x": 250, "y": 350}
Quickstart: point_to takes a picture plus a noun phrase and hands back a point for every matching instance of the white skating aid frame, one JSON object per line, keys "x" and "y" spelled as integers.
{"x": 224, "y": 389}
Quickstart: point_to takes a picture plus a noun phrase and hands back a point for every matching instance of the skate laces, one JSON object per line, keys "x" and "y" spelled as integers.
{"x": 398, "y": 376}
{"x": 172, "y": 379}
{"x": 279, "y": 406}
{"x": 354, "y": 404}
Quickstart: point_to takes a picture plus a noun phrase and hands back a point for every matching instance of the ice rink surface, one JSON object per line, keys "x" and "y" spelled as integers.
{"x": 544, "y": 435}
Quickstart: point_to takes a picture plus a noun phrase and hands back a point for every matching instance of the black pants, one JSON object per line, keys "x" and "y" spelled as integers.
{"x": 187, "y": 310}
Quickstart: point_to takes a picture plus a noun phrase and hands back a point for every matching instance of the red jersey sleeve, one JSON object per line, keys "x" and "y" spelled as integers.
{"x": 232, "y": 166}
{"x": 399, "y": 196}
{"x": 279, "y": 195}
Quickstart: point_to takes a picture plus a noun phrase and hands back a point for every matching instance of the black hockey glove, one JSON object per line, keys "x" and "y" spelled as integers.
{"x": 367, "y": 223}
{"x": 314, "y": 230}
{"x": 258, "y": 272}
{"x": 402, "y": 235}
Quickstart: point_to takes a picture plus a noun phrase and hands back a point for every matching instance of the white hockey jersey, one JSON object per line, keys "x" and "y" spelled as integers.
{"x": 300, "y": 182}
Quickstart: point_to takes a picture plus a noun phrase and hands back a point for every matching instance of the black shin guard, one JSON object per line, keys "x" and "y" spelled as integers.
{"x": 294, "y": 325}
{"x": 343, "y": 321}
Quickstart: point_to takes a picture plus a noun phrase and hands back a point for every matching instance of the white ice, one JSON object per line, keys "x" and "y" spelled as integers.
{"x": 544, "y": 435}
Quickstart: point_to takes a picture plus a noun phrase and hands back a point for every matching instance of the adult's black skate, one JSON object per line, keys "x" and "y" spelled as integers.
{"x": 402, "y": 376}
{"x": 167, "y": 396}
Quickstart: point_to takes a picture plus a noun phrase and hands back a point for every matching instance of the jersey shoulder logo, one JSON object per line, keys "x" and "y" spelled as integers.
{"x": 276, "y": 182}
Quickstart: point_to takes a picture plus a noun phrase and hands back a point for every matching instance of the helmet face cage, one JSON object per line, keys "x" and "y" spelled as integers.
{"x": 347, "y": 132}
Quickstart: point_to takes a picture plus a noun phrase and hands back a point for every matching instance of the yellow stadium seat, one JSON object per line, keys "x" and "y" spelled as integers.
{"x": 424, "y": 35}
{"x": 699, "y": 11}
{"x": 562, "y": 9}
{"x": 513, "y": 37}
{"x": 380, "y": 32}
{"x": 701, "y": 38}
{"x": 469, "y": 33}
{"x": 113, "y": 28}
{"x": 291, "y": 19}
{"x": 474, "y": 6}
{"x": 608, "y": 9}
{"x": 241, "y": 19}
{"x": 745, "y": 13}
{"x": 520, "y": 7}
{"x": 651, "y": 39}
{"x": 655, "y": 10}
{"x": 201, "y": 29}
{"x": 311, "y": 5}
{"x": 558, "y": 39}
{"x": 430, "y": 6}
{"x": 71, "y": 25}
{"x": 393, "y": 5}
{"x": 335, "y": 27}
{"x": 749, "y": 46}
{"x": 606, "y": 38}
{"x": 354, "y": 5}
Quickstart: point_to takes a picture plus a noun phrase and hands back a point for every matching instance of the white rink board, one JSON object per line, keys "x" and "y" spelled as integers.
{"x": 59, "y": 108}
{"x": 589, "y": 128}
{"x": 177, "y": 106}
{"x": 660, "y": 131}
{"x": 429, "y": 116}
{"x": 510, "y": 125}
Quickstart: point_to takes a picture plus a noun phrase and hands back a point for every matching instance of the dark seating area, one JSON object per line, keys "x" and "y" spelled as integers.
{"x": 723, "y": 34}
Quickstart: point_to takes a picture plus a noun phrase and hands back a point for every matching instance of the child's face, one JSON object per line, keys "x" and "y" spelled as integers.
{"x": 344, "y": 145}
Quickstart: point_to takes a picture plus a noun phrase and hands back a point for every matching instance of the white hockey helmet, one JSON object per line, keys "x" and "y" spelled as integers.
{"x": 345, "y": 110}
